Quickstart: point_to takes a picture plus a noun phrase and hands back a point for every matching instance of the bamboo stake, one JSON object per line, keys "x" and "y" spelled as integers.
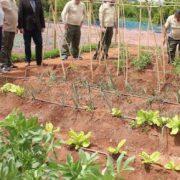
{"x": 62, "y": 63}
{"x": 162, "y": 47}
{"x": 139, "y": 38}
{"x": 89, "y": 29}
{"x": 118, "y": 66}
{"x": 156, "y": 51}
{"x": 55, "y": 22}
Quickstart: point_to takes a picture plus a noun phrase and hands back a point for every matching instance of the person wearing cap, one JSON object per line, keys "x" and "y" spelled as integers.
{"x": 108, "y": 21}
{"x": 173, "y": 25}
{"x": 73, "y": 16}
{"x": 9, "y": 30}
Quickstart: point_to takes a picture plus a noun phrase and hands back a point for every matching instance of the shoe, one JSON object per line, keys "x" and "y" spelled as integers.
{"x": 64, "y": 57}
{"x": 28, "y": 64}
{"x": 78, "y": 58}
{"x": 5, "y": 69}
{"x": 95, "y": 57}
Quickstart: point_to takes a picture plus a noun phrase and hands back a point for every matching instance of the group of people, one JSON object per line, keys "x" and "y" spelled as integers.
{"x": 29, "y": 20}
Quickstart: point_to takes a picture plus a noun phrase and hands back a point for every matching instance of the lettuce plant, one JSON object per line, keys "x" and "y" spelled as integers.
{"x": 150, "y": 159}
{"x": 78, "y": 139}
{"x": 147, "y": 118}
{"x": 8, "y": 87}
{"x": 116, "y": 112}
{"x": 118, "y": 149}
{"x": 172, "y": 166}
{"x": 174, "y": 125}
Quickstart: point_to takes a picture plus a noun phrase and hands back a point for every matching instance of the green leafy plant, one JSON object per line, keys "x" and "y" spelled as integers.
{"x": 85, "y": 168}
{"x": 178, "y": 96}
{"x": 8, "y": 87}
{"x": 78, "y": 139}
{"x": 115, "y": 172}
{"x": 172, "y": 166}
{"x": 142, "y": 62}
{"x": 25, "y": 146}
{"x": 118, "y": 149}
{"x": 176, "y": 65}
{"x": 174, "y": 125}
{"x": 150, "y": 159}
{"x": 116, "y": 112}
{"x": 148, "y": 118}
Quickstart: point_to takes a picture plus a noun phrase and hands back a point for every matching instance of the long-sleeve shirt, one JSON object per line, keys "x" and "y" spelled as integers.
{"x": 107, "y": 15}
{"x": 10, "y": 15}
{"x": 74, "y": 14}
{"x": 174, "y": 27}
{"x": 1, "y": 16}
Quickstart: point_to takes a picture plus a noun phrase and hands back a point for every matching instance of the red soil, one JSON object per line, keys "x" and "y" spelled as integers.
{"x": 106, "y": 130}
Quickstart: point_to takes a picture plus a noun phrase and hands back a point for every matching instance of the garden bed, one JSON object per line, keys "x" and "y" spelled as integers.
{"x": 64, "y": 102}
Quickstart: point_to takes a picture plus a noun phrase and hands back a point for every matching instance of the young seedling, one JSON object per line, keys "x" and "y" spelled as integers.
{"x": 118, "y": 149}
{"x": 176, "y": 65}
{"x": 116, "y": 171}
{"x": 150, "y": 159}
{"x": 116, "y": 112}
{"x": 172, "y": 166}
{"x": 174, "y": 125}
{"x": 78, "y": 139}
{"x": 8, "y": 87}
{"x": 147, "y": 118}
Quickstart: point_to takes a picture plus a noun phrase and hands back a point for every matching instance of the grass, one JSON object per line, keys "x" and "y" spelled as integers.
{"x": 52, "y": 53}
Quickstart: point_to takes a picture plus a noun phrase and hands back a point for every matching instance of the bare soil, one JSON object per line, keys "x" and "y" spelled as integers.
{"x": 48, "y": 84}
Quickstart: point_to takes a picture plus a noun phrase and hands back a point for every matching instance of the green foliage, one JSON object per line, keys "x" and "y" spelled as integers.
{"x": 176, "y": 65}
{"x": 85, "y": 168}
{"x": 8, "y": 87}
{"x": 24, "y": 149}
{"x": 118, "y": 149}
{"x": 78, "y": 139}
{"x": 147, "y": 118}
{"x": 120, "y": 64}
{"x": 150, "y": 159}
{"x": 174, "y": 125}
{"x": 143, "y": 61}
{"x": 116, "y": 112}
{"x": 172, "y": 166}
{"x": 112, "y": 172}
{"x": 89, "y": 107}
{"x": 51, "y": 53}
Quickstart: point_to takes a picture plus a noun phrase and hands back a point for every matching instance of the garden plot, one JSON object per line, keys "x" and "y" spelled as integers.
{"x": 104, "y": 106}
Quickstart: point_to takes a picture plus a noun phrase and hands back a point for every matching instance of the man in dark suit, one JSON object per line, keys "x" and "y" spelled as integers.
{"x": 31, "y": 23}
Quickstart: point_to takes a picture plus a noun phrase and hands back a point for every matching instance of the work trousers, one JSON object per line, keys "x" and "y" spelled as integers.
{"x": 6, "y": 50}
{"x": 71, "y": 41}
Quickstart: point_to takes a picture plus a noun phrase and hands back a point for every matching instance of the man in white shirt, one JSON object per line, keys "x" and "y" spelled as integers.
{"x": 108, "y": 20}
{"x": 73, "y": 16}
{"x": 172, "y": 24}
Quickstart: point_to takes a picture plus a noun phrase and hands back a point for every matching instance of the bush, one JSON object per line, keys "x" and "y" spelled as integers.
{"x": 143, "y": 61}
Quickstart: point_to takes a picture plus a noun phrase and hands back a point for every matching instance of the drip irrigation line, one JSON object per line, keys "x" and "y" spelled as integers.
{"x": 132, "y": 95}
{"x": 95, "y": 151}
{"x": 55, "y": 103}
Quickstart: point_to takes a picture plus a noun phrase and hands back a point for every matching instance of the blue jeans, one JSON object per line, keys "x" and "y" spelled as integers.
{"x": 37, "y": 38}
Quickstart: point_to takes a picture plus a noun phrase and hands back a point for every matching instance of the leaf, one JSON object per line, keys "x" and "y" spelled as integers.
{"x": 112, "y": 150}
{"x": 155, "y": 156}
{"x": 119, "y": 163}
{"x": 121, "y": 143}
{"x": 170, "y": 165}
